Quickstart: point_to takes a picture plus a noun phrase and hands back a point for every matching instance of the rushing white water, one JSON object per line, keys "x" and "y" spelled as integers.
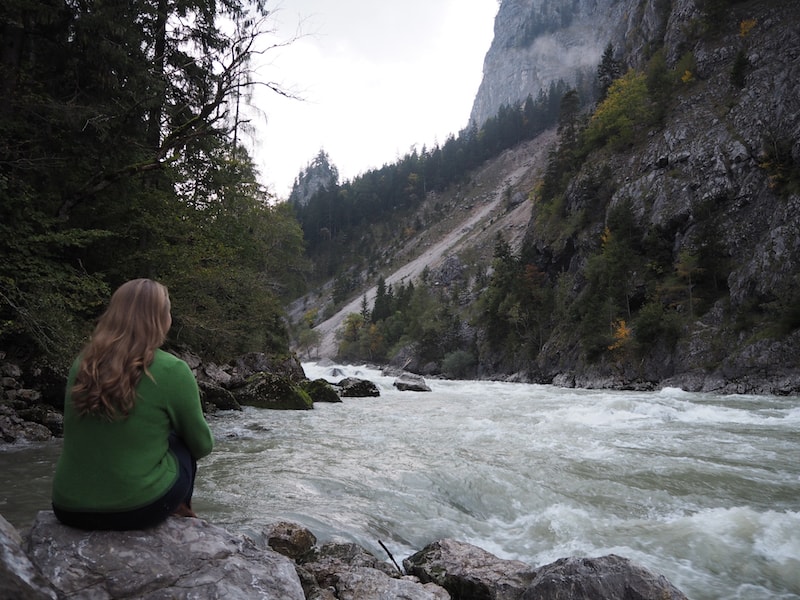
{"x": 704, "y": 489}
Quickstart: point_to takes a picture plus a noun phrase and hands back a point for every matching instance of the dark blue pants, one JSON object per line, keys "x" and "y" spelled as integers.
{"x": 145, "y": 516}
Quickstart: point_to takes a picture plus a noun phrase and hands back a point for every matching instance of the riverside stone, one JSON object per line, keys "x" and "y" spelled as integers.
{"x": 609, "y": 577}
{"x": 182, "y": 558}
{"x": 189, "y": 558}
{"x": 19, "y": 579}
{"x": 467, "y": 571}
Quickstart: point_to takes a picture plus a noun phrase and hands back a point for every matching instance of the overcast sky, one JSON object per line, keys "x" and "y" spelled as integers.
{"x": 377, "y": 77}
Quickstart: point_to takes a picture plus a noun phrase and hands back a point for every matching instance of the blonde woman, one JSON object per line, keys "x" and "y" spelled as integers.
{"x": 133, "y": 423}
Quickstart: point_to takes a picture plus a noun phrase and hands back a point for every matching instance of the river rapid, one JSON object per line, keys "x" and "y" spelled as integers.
{"x": 702, "y": 488}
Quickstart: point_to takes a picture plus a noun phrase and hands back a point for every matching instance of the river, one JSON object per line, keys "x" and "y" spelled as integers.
{"x": 702, "y": 488}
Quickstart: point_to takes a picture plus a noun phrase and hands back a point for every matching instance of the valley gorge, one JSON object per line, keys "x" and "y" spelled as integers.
{"x": 670, "y": 251}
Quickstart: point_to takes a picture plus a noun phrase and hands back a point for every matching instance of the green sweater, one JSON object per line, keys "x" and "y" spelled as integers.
{"x": 125, "y": 464}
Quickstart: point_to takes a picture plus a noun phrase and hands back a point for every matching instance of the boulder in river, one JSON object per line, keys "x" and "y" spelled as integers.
{"x": 353, "y": 387}
{"x": 320, "y": 390}
{"x": 267, "y": 390}
{"x": 410, "y": 382}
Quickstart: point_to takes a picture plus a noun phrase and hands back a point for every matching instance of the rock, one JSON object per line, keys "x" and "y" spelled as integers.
{"x": 18, "y": 577}
{"x": 327, "y": 562}
{"x": 467, "y": 571}
{"x": 411, "y": 382}
{"x": 363, "y": 583}
{"x": 217, "y": 396}
{"x": 14, "y": 429}
{"x": 182, "y": 558}
{"x": 349, "y": 572}
{"x": 267, "y": 390}
{"x": 252, "y": 363}
{"x": 190, "y": 558}
{"x": 320, "y": 390}
{"x": 608, "y": 577}
{"x": 353, "y": 387}
{"x": 290, "y": 539}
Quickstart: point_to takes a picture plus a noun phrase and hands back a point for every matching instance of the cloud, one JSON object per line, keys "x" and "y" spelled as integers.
{"x": 377, "y": 79}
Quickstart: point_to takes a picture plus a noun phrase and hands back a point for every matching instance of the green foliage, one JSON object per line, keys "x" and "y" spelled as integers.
{"x": 660, "y": 85}
{"x": 654, "y": 324}
{"x": 623, "y": 113}
{"x": 118, "y": 160}
{"x": 515, "y": 310}
{"x": 780, "y": 165}
{"x": 459, "y": 364}
{"x": 608, "y": 71}
{"x": 685, "y": 69}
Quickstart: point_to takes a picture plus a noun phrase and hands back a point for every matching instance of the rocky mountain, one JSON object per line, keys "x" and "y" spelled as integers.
{"x": 537, "y": 42}
{"x": 721, "y": 171}
{"x": 664, "y": 238}
{"x": 318, "y": 175}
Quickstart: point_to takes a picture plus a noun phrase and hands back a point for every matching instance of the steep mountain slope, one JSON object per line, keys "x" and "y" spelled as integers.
{"x": 476, "y": 215}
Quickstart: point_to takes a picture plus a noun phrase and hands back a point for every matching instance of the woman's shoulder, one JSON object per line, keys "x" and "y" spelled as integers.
{"x": 164, "y": 360}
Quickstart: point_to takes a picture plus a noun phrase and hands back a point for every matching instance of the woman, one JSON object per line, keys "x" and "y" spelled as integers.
{"x": 133, "y": 422}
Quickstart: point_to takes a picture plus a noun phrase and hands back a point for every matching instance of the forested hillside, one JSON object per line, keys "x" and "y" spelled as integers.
{"x": 120, "y": 158}
{"x": 663, "y": 246}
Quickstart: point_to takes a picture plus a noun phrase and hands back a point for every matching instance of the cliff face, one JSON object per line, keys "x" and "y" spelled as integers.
{"x": 721, "y": 170}
{"x": 537, "y": 42}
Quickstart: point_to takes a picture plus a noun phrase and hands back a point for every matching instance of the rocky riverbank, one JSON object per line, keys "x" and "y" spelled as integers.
{"x": 190, "y": 558}
{"x": 32, "y": 396}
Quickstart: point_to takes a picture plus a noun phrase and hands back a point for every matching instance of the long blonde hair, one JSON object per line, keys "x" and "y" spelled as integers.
{"x": 121, "y": 348}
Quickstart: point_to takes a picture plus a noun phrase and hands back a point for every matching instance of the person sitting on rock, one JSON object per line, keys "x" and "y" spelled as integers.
{"x": 133, "y": 422}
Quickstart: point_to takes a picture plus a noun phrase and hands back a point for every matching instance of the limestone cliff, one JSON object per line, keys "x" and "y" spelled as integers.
{"x": 537, "y": 42}
{"x": 721, "y": 170}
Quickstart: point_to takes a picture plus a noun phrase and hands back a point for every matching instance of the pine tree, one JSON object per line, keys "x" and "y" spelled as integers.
{"x": 608, "y": 71}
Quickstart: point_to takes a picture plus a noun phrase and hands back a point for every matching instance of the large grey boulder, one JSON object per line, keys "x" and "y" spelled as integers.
{"x": 411, "y": 382}
{"x": 19, "y": 579}
{"x": 608, "y": 577}
{"x": 467, "y": 571}
{"x": 180, "y": 559}
{"x": 187, "y": 558}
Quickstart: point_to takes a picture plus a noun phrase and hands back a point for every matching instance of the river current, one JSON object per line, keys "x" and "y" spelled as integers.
{"x": 702, "y": 488}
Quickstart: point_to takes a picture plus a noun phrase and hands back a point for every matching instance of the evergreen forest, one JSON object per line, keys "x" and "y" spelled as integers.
{"x": 121, "y": 157}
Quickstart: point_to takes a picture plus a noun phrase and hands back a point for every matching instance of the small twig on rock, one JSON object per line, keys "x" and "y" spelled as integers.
{"x": 392, "y": 557}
